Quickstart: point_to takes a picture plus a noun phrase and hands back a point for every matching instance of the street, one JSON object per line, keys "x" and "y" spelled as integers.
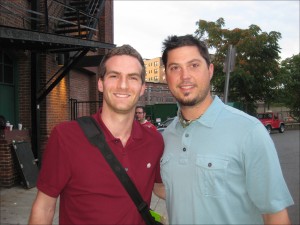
{"x": 287, "y": 145}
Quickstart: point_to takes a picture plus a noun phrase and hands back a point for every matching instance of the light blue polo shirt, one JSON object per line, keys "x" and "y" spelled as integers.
{"x": 221, "y": 169}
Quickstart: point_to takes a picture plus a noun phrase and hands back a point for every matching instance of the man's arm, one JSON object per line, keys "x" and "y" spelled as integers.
{"x": 279, "y": 218}
{"x": 43, "y": 209}
{"x": 159, "y": 190}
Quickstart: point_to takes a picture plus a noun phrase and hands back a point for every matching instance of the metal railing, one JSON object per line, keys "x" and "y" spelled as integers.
{"x": 53, "y": 13}
{"x": 83, "y": 108}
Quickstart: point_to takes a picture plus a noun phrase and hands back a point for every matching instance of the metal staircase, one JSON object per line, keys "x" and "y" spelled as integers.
{"x": 44, "y": 28}
{"x": 64, "y": 27}
{"x": 81, "y": 17}
{"x": 79, "y": 20}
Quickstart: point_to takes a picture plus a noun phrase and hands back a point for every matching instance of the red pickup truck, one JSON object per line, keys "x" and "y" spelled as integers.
{"x": 272, "y": 121}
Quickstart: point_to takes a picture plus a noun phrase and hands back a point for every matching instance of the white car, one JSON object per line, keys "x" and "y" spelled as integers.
{"x": 161, "y": 127}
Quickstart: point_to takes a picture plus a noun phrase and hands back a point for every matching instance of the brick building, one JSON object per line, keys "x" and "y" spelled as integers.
{"x": 155, "y": 70}
{"x": 49, "y": 54}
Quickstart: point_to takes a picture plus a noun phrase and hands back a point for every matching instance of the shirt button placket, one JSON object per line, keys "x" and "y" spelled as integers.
{"x": 185, "y": 142}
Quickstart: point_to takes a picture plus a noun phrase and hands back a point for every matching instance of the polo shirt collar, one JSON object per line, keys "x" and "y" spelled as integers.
{"x": 136, "y": 132}
{"x": 210, "y": 115}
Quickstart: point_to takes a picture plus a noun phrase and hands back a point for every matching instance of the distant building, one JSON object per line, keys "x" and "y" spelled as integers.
{"x": 157, "y": 90}
{"x": 155, "y": 70}
{"x": 156, "y": 93}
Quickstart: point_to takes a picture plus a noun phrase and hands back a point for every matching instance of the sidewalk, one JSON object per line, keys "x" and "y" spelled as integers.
{"x": 15, "y": 205}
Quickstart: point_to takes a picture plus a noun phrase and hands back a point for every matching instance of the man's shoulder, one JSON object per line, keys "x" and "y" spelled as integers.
{"x": 149, "y": 124}
{"x": 150, "y": 129}
{"x": 66, "y": 128}
{"x": 239, "y": 115}
{"x": 66, "y": 125}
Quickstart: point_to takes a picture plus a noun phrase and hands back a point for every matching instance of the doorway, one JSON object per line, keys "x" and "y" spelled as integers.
{"x": 7, "y": 88}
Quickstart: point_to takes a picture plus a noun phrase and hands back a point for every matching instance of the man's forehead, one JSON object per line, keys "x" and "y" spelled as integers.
{"x": 121, "y": 60}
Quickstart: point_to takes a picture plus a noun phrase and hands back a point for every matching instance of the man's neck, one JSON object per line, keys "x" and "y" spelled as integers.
{"x": 142, "y": 121}
{"x": 194, "y": 112}
{"x": 120, "y": 125}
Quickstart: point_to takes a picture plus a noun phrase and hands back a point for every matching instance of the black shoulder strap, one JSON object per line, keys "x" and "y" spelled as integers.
{"x": 94, "y": 134}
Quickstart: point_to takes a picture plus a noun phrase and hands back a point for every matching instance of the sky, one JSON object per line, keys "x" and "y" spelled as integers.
{"x": 145, "y": 24}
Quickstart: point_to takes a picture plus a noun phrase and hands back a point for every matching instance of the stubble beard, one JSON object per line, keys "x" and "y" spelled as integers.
{"x": 188, "y": 102}
{"x": 185, "y": 101}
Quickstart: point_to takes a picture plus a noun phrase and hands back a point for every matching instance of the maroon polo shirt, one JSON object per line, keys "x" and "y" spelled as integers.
{"x": 89, "y": 191}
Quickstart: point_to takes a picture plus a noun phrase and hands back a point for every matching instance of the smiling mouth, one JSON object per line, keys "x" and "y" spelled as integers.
{"x": 186, "y": 86}
{"x": 122, "y": 95}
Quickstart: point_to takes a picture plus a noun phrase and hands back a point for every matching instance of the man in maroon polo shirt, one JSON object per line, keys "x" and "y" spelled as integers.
{"x": 76, "y": 171}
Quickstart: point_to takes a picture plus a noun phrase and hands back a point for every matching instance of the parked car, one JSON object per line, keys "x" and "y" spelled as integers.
{"x": 161, "y": 127}
{"x": 272, "y": 121}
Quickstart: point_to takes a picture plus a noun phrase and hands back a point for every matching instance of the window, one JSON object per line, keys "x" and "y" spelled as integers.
{"x": 6, "y": 69}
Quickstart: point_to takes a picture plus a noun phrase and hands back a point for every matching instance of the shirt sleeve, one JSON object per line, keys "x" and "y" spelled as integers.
{"x": 264, "y": 179}
{"x": 161, "y": 146}
{"x": 55, "y": 169}
{"x": 158, "y": 176}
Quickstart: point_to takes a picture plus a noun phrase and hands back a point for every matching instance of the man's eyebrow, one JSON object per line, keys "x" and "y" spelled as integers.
{"x": 172, "y": 64}
{"x": 134, "y": 74}
{"x": 191, "y": 61}
{"x": 113, "y": 72}
{"x": 194, "y": 60}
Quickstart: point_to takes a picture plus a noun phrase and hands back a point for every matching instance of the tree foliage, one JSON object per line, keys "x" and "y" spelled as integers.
{"x": 256, "y": 67}
{"x": 289, "y": 84}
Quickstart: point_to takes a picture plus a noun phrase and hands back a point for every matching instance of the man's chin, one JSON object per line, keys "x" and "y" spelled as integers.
{"x": 123, "y": 110}
{"x": 187, "y": 102}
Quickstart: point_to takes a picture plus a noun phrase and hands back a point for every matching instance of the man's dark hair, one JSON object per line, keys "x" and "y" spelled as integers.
{"x": 174, "y": 41}
{"x": 141, "y": 107}
{"x": 122, "y": 50}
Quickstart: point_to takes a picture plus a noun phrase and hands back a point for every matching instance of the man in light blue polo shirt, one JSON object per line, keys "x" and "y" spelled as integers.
{"x": 220, "y": 165}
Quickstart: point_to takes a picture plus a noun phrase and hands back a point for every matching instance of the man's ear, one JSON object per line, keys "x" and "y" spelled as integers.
{"x": 143, "y": 89}
{"x": 211, "y": 70}
{"x": 100, "y": 85}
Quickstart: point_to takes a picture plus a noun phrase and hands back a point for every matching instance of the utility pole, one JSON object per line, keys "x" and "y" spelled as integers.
{"x": 228, "y": 67}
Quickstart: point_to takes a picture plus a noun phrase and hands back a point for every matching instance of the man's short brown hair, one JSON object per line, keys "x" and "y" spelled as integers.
{"x": 122, "y": 50}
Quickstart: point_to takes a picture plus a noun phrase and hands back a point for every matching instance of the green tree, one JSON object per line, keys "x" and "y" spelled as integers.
{"x": 288, "y": 84}
{"x": 256, "y": 67}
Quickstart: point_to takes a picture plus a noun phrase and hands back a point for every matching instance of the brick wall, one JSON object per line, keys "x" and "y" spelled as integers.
{"x": 8, "y": 172}
{"x": 55, "y": 107}
{"x": 9, "y": 167}
{"x": 156, "y": 93}
{"x": 24, "y": 90}
{"x": 7, "y": 13}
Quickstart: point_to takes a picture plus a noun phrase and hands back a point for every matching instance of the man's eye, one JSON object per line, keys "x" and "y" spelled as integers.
{"x": 174, "y": 68}
{"x": 112, "y": 76}
{"x": 195, "y": 65}
{"x": 134, "y": 78}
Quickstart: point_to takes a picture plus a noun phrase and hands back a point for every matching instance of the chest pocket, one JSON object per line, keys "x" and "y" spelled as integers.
{"x": 211, "y": 175}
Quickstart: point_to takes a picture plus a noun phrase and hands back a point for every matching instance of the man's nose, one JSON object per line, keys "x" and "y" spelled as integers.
{"x": 185, "y": 73}
{"x": 123, "y": 83}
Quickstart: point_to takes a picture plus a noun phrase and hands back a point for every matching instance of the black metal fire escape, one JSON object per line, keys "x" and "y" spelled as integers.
{"x": 64, "y": 27}
{"x": 80, "y": 19}
{"x": 72, "y": 33}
